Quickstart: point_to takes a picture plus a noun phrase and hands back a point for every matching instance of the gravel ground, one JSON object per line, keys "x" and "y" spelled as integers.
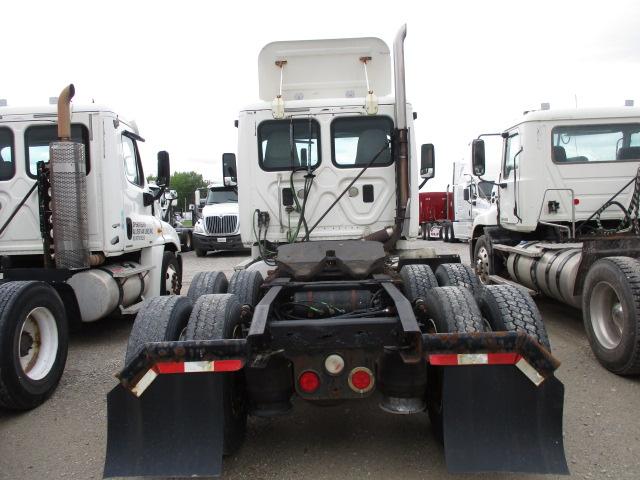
{"x": 65, "y": 438}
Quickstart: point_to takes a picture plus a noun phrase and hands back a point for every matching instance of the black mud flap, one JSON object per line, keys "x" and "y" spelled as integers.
{"x": 173, "y": 430}
{"x": 497, "y": 420}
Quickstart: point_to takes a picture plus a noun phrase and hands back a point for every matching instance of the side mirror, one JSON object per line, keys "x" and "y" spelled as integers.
{"x": 164, "y": 169}
{"x": 477, "y": 157}
{"x": 229, "y": 176}
{"x": 427, "y": 161}
{"x": 148, "y": 199}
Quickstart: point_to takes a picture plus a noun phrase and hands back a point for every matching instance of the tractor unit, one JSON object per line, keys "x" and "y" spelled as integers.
{"x": 335, "y": 306}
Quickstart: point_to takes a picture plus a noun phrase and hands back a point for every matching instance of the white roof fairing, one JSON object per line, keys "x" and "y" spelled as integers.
{"x": 324, "y": 68}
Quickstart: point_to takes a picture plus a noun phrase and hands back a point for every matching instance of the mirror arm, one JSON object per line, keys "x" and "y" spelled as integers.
{"x": 422, "y": 183}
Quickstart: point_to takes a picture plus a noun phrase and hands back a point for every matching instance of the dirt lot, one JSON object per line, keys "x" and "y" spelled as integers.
{"x": 65, "y": 438}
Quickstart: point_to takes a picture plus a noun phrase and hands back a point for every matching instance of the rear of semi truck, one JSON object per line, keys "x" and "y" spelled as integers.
{"x": 331, "y": 309}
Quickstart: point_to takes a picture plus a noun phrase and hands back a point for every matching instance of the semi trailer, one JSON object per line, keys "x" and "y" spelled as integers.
{"x": 565, "y": 222}
{"x": 80, "y": 236}
{"x": 333, "y": 307}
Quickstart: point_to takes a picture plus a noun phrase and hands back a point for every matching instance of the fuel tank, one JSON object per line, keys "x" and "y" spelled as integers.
{"x": 550, "y": 269}
{"x": 100, "y": 291}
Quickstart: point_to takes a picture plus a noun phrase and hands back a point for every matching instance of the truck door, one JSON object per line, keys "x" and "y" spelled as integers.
{"x": 140, "y": 225}
{"x": 508, "y": 193}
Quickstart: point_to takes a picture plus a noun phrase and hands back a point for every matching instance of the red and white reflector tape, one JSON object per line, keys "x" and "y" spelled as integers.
{"x": 216, "y": 366}
{"x": 455, "y": 359}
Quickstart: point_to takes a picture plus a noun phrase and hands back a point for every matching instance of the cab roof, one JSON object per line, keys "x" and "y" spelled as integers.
{"x": 51, "y": 110}
{"x": 580, "y": 114}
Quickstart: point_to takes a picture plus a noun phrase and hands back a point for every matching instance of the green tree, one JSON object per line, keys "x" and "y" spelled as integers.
{"x": 185, "y": 184}
{"x": 151, "y": 178}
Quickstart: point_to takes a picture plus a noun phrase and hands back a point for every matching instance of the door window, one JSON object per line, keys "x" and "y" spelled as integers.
{"x": 38, "y": 138}
{"x": 7, "y": 165}
{"x": 511, "y": 154}
{"x": 132, "y": 164}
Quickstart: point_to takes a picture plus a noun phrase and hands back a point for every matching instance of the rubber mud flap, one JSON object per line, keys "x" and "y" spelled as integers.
{"x": 173, "y": 430}
{"x": 497, "y": 420}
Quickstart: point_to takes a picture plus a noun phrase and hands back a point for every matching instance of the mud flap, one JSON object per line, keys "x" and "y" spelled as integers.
{"x": 174, "y": 429}
{"x": 497, "y": 420}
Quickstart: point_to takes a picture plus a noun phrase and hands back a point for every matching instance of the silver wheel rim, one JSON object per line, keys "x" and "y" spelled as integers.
{"x": 482, "y": 264}
{"x": 38, "y": 343}
{"x": 607, "y": 315}
{"x": 171, "y": 280}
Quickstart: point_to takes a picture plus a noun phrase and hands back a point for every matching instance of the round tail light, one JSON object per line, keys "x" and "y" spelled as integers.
{"x": 361, "y": 380}
{"x": 309, "y": 381}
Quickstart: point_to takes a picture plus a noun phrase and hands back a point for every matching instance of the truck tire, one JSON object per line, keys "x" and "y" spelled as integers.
{"x": 417, "y": 280}
{"x": 452, "y": 235}
{"x": 611, "y": 313}
{"x": 245, "y": 285}
{"x": 161, "y": 319}
{"x": 483, "y": 261}
{"x": 423, "y": 228}
{"x": 445, "y": 236}
{"x": 205, "y": 283}
{"x": 34, "y": 340}
{"x": 186, "y": 242}
{"x": 450, "y": 310}
{"x": 171, "y": 277}
{"x": 427, "y": 232}
{"x": 510, "y": 309}
{"x": 200, "y": 252}
{"x": 217, "y": 317}
{"x": 457, "y": 274}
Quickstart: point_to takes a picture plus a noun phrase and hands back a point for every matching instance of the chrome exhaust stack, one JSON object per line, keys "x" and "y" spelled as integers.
{"x": 68, "y": 179}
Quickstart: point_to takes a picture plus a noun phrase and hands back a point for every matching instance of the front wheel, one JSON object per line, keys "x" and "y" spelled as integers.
{"x": 33, "y": 343}
{"x": 482, "y": 261}
{"x": 171, "y": 276}
{"x": 611, "y": 313}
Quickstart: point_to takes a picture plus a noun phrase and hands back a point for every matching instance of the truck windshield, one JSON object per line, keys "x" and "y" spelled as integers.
{"x": 356, "y": 140}
{"x": 596, "y": 143}
{"x": 221, "y": 196}
{"x": 7, "y": 166}
{"x": 37, "y": 139}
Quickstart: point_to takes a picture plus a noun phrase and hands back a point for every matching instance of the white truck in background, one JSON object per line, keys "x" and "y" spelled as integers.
{"x": 218, "y": 225}
{"x": 80, "y": 236}
{"x": 471, "y": 197}
{"x": 566, "y": 220}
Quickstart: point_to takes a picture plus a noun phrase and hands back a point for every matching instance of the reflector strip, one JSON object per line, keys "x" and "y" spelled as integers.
{"x": 217, "y": 366}
{"x": 531, "y": 373}
{"x": 452, "y": 359}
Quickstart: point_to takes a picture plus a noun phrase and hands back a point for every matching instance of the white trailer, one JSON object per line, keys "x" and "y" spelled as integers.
{"x": 80, "y": 237}
{"x": 565, "y": 222}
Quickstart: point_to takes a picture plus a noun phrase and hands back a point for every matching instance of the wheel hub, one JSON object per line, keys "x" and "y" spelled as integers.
{"x": 482, "y": 265}
{"x": 607, "y": 315}
{"x": 171, "y": 281}
{"x": 38, "y": 343}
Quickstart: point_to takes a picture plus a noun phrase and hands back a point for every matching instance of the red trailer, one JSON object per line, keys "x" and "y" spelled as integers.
{"x": 435, "y": 208}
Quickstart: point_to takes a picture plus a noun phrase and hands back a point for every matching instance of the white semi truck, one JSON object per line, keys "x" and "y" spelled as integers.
{"x": 80, "y": 236}
{"x": 334, "y": 306}
{"x": 218, "y": 227}
{"x": 565, "y": 222}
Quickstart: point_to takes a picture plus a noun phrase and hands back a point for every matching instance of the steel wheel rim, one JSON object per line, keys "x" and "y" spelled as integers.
{"x": 171, "y": 280}
{"x": 607, "y": 315}
{"x": 38, "y": 343}
{"x": 482, "y": 264}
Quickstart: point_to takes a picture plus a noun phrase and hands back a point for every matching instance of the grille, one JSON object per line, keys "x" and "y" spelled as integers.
{"x": 221, "y": 225}
{"x": 69, "y": 205}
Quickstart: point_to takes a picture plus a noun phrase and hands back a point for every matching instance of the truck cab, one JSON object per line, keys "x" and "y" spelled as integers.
{"x": 317, "y": 101}
{"x": 218, "y": 227}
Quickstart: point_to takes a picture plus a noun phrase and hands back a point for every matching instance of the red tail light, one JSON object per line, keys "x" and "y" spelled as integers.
{"x": 361, "y": 380}
{"x": 309, "y": 381}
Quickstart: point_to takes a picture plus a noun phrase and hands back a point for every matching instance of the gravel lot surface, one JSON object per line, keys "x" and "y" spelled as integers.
{"x": 65, "y": 438}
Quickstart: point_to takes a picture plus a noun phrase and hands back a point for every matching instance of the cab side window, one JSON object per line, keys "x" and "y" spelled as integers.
{"x": 132, "y": 164}
{"x": 7, "y": 164}
{"x": 511, "y": 149}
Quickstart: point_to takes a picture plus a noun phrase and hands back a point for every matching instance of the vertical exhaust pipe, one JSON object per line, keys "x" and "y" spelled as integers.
{"x": 68, "y": 177}
{"x": 389, "y": 236}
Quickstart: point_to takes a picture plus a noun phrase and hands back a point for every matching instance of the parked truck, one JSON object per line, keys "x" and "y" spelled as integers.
{"x": 218, "y": 227}
{"x": 80, "y": 236}
{"x": 335, "y": 306}
{"x": 565, "y": 222}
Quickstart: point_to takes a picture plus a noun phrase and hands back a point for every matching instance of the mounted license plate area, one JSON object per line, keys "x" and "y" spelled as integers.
{"x": 221, "y": 239}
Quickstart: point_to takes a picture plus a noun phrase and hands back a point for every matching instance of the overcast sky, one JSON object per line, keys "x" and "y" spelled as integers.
{"x": 184, "y": 69}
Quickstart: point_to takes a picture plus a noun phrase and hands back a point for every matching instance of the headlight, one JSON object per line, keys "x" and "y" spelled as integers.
{"x": 198, "y": 227}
